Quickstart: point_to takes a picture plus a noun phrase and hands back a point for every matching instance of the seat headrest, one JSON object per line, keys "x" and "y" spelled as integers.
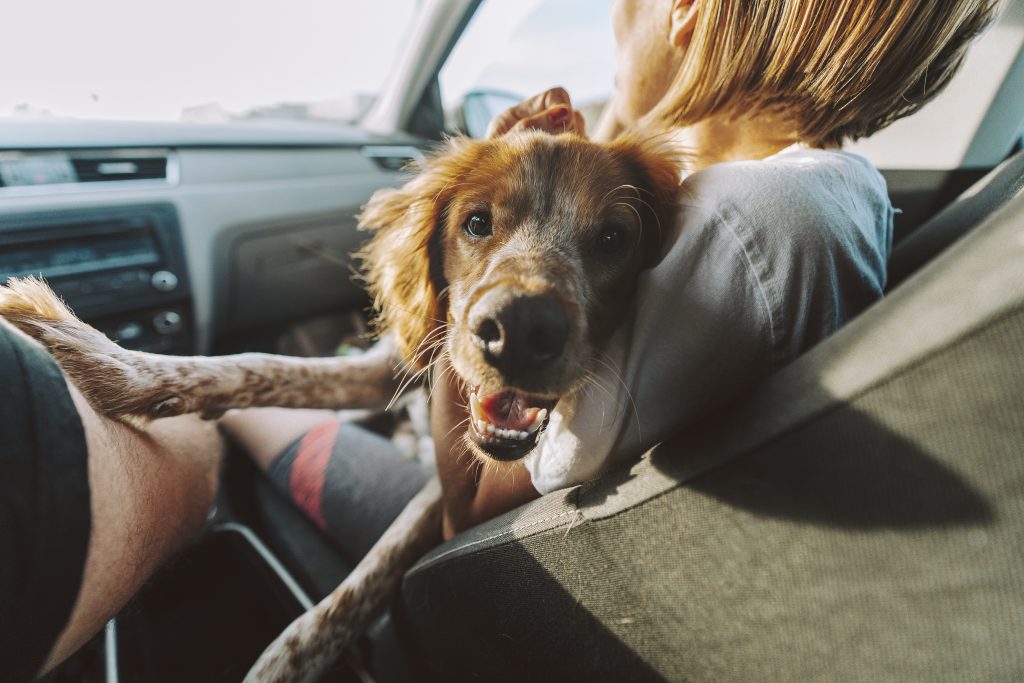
{"x": 967, "y": 211}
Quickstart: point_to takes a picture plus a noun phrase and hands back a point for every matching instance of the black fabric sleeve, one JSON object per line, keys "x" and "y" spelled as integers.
{"x": 44, "y": 505}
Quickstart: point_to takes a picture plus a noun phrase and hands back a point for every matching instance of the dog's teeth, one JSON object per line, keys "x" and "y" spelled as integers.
{"x": 522, "y": 436}
{"x": 538, "y": 420}
{"x": 481, "y": 426}
{"x": 475, "y": 408}
{"x": 490, "y": 429}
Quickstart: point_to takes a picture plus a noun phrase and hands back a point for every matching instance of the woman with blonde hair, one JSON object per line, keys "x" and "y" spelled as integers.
{"x": 781, "y": 236}
{"x": 780, "y": 239}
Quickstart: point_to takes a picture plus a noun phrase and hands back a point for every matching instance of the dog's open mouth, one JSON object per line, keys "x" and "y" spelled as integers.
{"x": 506, "y": 423}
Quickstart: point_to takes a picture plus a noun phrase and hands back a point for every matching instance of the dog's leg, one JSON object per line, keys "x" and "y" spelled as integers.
{"x": 316, "y": 639}
{"x": 131, "y": 384}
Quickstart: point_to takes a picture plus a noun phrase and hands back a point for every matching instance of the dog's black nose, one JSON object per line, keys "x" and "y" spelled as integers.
{"x": 521, "y": 334}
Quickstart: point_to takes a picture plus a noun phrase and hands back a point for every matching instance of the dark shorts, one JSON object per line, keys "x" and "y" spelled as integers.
{"x": 44, "y": 505}
{"x": 349, "y": 480}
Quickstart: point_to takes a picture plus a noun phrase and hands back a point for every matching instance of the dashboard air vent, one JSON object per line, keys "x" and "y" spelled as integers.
{"x": 99, "y": 169}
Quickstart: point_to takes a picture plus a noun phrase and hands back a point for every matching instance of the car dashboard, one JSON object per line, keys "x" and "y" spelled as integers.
{"x": 174, "y": 237}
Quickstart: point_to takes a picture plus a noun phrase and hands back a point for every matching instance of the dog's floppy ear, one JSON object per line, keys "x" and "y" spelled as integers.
{"x": 402, "y": 262}
{"x": 656, "y": 164}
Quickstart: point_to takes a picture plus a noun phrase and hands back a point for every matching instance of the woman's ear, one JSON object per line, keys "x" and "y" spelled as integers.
{"x": 401, "y": 263}
{"x": 682, "y": 20}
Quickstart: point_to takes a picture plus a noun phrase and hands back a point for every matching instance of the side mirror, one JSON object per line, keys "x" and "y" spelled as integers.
{"x": 479, "y": 107}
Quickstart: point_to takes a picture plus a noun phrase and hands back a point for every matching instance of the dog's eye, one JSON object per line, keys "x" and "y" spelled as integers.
{"x": 610, "y": 239}
{"x": 478, "y": 225}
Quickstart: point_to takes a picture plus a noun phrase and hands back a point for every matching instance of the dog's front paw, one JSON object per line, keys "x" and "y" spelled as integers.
{"x": 102, "y": 370}
{"x": 31, "y": 306}
{"x": 23, "y": 300}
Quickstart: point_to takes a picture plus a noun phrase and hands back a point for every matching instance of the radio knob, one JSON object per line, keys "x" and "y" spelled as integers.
{"x": 164, "y": 281}
{"x": 128, "y": 332}
{"x": 167, "y": 322}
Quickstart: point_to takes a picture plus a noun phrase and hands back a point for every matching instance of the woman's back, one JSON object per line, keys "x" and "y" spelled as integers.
{"x": 767, "y": 258}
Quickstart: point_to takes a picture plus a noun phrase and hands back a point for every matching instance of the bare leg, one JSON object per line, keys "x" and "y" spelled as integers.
{"x": 156, "y": 485}
{"x": 264, "y": 433}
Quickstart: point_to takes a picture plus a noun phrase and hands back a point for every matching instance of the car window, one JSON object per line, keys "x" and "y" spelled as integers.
{"x": 974, "y": 122}
{"x": 196, "y": 60}
{"x": 511, "y": 50}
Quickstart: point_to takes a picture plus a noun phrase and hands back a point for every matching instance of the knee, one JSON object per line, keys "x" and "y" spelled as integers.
{"x": 163, "y": 478}
{"x": 193, "y": 451}
{"x": 264, "y": 433}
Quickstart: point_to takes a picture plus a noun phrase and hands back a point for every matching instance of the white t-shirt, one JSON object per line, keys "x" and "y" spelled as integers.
{"x": 766, "y": 259}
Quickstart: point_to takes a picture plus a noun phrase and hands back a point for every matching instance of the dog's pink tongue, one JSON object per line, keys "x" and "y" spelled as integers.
{"x": 508, "y": 409}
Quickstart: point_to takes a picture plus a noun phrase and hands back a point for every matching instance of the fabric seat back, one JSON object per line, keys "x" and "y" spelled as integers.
{"x": 860, "y": 517}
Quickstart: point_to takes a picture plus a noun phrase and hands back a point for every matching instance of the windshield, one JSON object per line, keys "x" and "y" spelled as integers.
{"x": 512, "y": 50}
{"x": 197, "y": 60}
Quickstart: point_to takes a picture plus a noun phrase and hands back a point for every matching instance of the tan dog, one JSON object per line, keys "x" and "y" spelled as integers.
{"x": 514, "y": 257}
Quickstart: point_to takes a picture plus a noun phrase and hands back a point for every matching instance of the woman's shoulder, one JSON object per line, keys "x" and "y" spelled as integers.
{"x": 805, "y": 204}
{"x": 794, "y": 188}
{"x": 811, "y": 228}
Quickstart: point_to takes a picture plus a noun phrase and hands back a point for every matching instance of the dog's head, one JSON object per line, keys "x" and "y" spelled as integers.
{"x": 516, "y": 256}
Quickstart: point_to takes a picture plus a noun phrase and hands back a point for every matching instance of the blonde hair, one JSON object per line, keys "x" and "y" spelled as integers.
{"x": 834, "y": 69}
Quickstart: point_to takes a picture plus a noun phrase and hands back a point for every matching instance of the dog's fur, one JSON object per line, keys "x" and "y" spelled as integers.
{"x": 549, "y": 201}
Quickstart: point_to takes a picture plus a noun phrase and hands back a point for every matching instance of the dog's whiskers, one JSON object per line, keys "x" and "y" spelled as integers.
{"x": 636, "y": 191}
{"x": 412, "y": 376}
{"x": 447, "y": 186}
{"x": 410, "y": 379}
{"x": 462, "y": 423}
{"x": 625, "y": 186}
{"x": 416, "y": 314}
{"x": 592, "y": 380}
{"x": 654, "y": 214}
{"x": 629, "y": 395}
{"x": 465, "y": 447}
{"x": 430, "y": 343}
{"x": 447, "y": 374}
{"x": 639, "y": 221}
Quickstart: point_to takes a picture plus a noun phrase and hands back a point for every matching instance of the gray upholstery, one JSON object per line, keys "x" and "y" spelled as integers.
{"x": 859, "y": 517}
{"x": 954, "y": 221}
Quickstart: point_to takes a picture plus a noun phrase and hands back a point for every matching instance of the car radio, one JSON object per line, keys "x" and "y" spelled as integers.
{"x": 120, "y": 268}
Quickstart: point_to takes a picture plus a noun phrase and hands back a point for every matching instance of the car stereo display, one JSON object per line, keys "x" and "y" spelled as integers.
{"x": 119, "y": 268}
{"x": 68, "y": 256}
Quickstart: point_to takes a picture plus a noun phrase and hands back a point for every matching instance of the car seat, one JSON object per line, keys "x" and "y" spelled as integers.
{"x": 859, "y": 516}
